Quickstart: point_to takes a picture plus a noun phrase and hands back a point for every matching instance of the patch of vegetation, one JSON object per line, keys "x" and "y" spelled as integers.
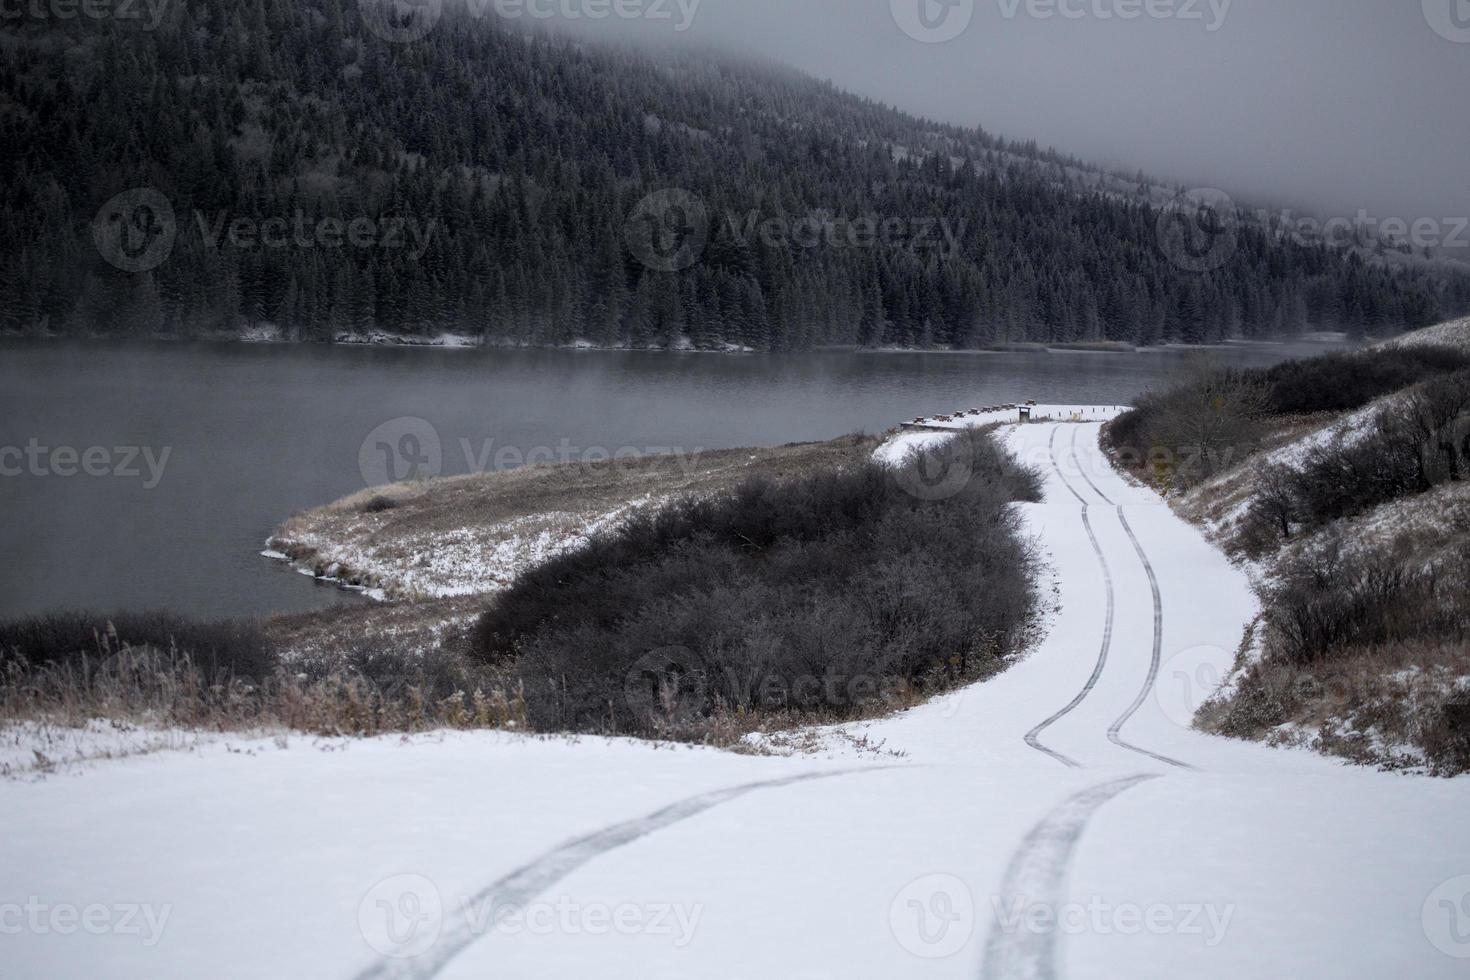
{"x": 1216, "y": 417}
{"x": 1366, "y": 607}
{"x": 826, "y": 596}
{"x": 1343, "y": 382}
{"x": 1416, "y": 443}
{"x": 171, "y": 672}
{"x": 1188, "y": 433}
{"x": 379, "y": 503}
{"x": 229, "y": 648}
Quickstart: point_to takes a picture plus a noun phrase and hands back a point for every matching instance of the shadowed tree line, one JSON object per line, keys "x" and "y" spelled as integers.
{"x": 520, "y": 156}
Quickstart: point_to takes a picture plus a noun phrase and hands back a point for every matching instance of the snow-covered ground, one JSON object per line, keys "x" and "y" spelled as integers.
{"x": 1455, "y": 333}
{"x": 1163, "y": 852}
{"x": 442, "y": 564}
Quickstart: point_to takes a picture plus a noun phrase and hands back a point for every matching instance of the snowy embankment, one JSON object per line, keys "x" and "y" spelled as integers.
{"x": 1221, "y": 503}
{"x": 1455, "y": 333}
{"x": 473, "y": 535}
{"x": 1393, "y": 691}
{"x": 435, "y": 564}
{"x": 927, "y": 433}
{"x": 967, "y": 847}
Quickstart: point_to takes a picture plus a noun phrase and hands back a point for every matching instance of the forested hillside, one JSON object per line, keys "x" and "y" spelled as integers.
{"x": 302, "y": 171}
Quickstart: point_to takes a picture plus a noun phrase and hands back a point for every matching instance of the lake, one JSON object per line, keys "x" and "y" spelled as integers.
{"x": 148, "y": 475}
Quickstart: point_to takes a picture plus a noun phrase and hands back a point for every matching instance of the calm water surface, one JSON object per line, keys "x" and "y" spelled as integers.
{"x": 256, "y": 433}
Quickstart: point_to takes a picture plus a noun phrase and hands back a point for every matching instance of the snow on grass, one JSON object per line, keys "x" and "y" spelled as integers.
{"x": 934, "y": 431}
{"x": 445, "y": 564}
{"x": 37, "y": 748}
{"x": 1455, "y": 333}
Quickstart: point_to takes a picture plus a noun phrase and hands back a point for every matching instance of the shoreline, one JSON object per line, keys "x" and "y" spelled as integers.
{"x": 462, "y": 342}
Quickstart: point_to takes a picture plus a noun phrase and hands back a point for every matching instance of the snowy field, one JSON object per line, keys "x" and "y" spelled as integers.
{"x": 1059, "y": 821}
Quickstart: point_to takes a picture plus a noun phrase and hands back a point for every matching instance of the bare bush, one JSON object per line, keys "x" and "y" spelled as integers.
{"x": 1329, "y": 598}
{"x": 1415, "y": 444}
{"x": 1189, "y": 433}
{"x": 831, "y": 595}
{"x": 360, "y": 694}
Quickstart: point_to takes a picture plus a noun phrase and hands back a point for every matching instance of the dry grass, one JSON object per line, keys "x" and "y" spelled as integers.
{"x": 1399, "y": 705}
{"x": 1214, "y": 503}
{"x": 472, "y": 535}
{"x": 422, "y": 627}
{"x": 342, "y": 692}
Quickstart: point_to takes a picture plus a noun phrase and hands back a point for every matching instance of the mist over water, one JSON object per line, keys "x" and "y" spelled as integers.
{"x": 1332, "y": 105}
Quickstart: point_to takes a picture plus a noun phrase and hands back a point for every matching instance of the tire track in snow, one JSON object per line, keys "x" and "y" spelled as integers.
{"x": 1037, "y": 874}
{"x": 1115, "y": 733}
{"x": 1033, "y": 737}
{"x": 518, "y": 888}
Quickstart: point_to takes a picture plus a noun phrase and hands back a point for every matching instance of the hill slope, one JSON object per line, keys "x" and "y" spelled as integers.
{"x": 281, "y": 163}
{"x": 1353, "y": 518}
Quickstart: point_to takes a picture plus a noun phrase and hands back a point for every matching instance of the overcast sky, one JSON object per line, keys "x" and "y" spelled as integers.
{"x": 1331, "y": 104}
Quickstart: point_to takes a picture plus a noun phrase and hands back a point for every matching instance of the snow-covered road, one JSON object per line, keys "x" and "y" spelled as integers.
{"x": 1114, "y": 843}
